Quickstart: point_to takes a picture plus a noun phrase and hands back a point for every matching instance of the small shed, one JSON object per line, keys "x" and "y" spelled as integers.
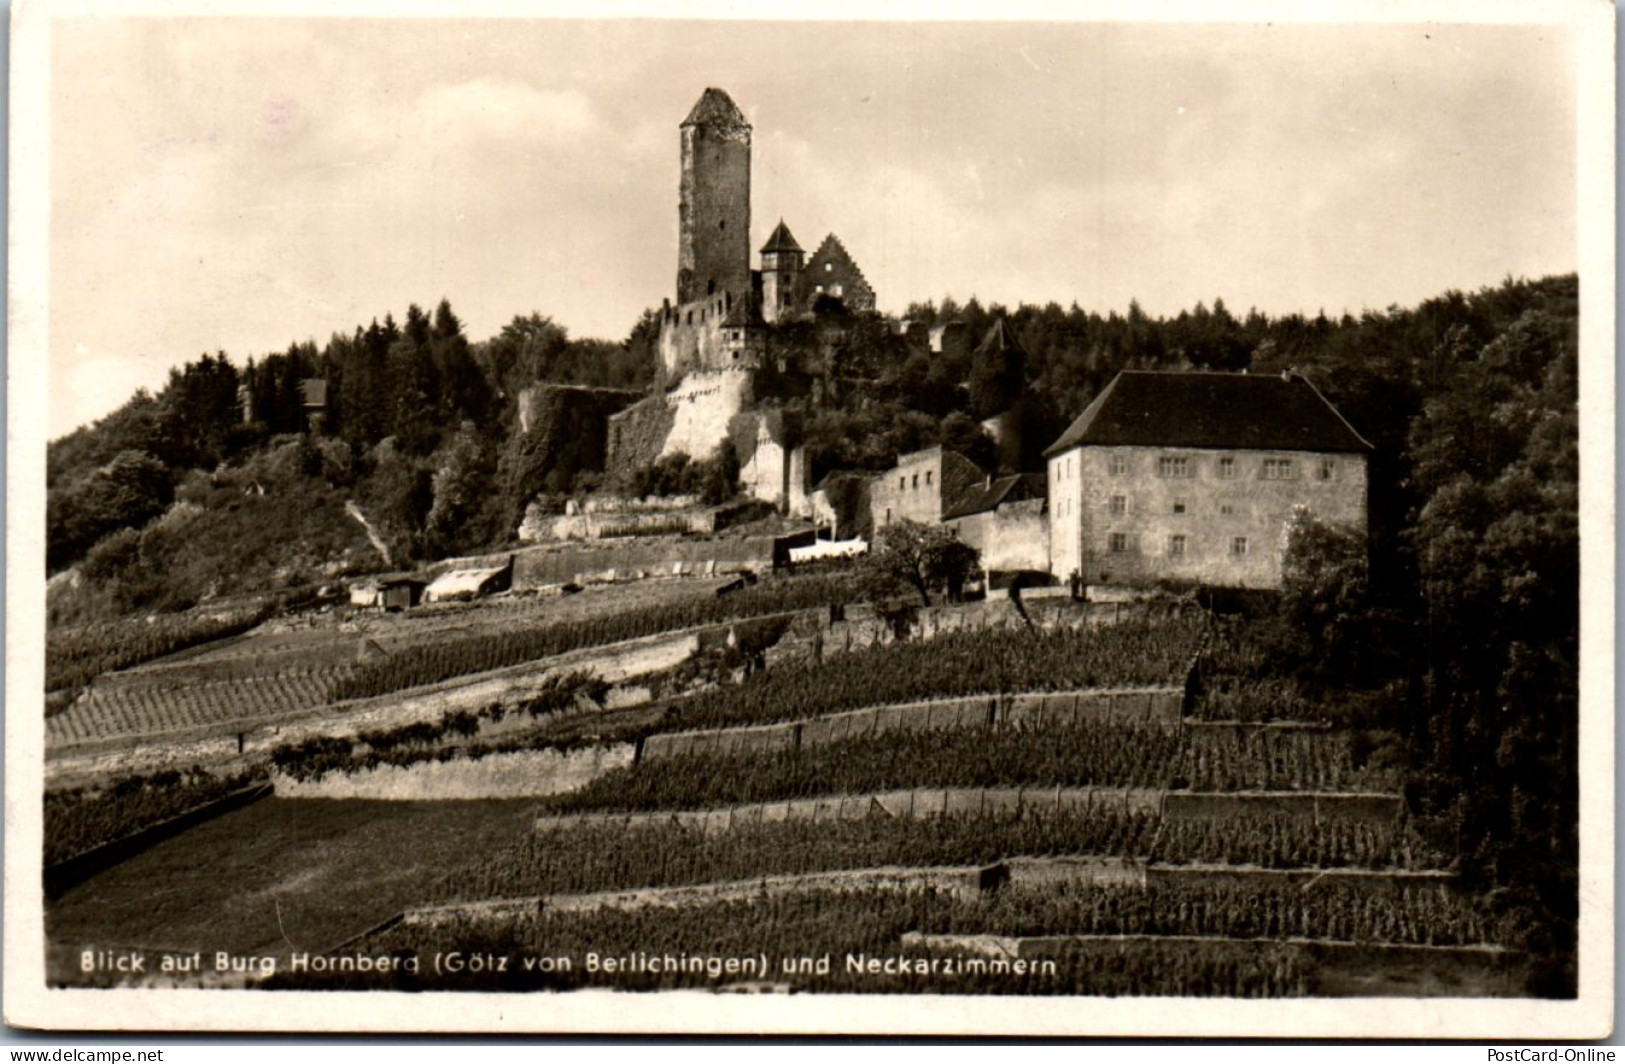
{"x": 390, "y": 592}
{"x": 457, "y": 585}
{"x": 401, "y": 592}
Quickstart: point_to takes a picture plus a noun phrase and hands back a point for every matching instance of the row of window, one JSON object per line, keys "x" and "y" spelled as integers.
{"x": 719, "y": 307}
{"x": 1183, "y": 466}
{"x": 1118, "y": 543}
{"x": 1226, "y": 467}
{"x": 903, "y": 481}
{"x": 1118, "y": 505}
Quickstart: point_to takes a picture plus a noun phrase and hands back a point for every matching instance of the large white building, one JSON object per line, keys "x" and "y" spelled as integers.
{"x": 1195, "y": 476}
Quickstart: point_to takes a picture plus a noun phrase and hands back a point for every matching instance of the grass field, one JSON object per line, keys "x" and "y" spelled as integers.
{"x": 280, "y": 876}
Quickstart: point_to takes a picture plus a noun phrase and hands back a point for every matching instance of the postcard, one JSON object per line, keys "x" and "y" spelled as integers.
{"x": 1018, "y": 519}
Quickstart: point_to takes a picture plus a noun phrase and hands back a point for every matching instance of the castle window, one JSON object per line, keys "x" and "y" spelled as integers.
{"x": 1226, "y": 508}
{"x": 916, "y": 481}
{"x": 1280, "y": 469}
{"x": 902, "y": 483}
{"x": 1227, "y": 469}
{"x": 835, "y": 290}
{"x": 1117, "y": 542}
{"x": 1119, "y": 504}
{"x": 1179, "y": 506}
{"x": 928, "y": 478}
{"x": 711, "y": 287}
{"x": 1238, "y": 547}
{"x": 1117, "y": 465}
{"x": 722, "y": 224}
{"x": 1326, "y": 470}
{"x": 691, "y": 317}
{"x": 1176, "y": 545}
{"x": 829, "y": 267}
{"x": 1173, "y": 466}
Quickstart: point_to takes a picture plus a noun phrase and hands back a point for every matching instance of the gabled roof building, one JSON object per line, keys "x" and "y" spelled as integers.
{"x": 1195, "y": 477}
{"x": 1004, "y": 519}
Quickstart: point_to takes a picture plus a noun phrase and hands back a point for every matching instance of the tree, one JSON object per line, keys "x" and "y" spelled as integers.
{"x": 1326, "y": 597}
{"x": 922, "y": 557}
{"x": 128, "y": 492}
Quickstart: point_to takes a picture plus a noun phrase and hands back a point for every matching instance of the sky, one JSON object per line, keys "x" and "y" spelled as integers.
{"x": 236, "y": 184}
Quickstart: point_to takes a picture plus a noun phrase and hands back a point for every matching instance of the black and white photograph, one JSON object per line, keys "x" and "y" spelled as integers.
{"x": 1013, "y": 521}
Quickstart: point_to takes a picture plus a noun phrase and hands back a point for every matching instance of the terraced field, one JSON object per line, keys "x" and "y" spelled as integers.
{"x": 1321, "y": 887}
{"x": 158, "y": 706}
{"x": 266, "y": 676}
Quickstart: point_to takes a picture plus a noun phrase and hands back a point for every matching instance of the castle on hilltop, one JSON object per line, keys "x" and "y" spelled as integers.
{"x": 723, "y": 306}
{"x": 715, "y": 341}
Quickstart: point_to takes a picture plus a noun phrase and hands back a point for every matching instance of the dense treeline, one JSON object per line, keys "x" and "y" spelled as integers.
{"x": 425, "y": 417}
{"x": 453, "y": 474}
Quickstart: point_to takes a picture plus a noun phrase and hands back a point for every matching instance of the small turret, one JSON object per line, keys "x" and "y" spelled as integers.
{"x": 781, "y": 268}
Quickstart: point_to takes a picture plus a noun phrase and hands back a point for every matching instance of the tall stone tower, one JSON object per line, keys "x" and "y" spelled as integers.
{"x": 713, "y": 211}
{"x": 781, "y": 270}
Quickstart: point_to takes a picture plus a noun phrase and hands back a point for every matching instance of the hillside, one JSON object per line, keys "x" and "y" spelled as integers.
{"x": 1443, "y": 654}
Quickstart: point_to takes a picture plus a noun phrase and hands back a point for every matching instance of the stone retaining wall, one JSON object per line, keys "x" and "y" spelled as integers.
{"x": 520, "y": 774}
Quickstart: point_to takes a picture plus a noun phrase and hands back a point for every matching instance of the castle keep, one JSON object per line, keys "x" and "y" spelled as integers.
{"x": 715, "y": 337}
{"x": 723, "y": 305}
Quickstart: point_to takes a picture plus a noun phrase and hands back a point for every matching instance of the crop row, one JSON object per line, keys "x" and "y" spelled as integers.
{"x": 464, "y": 655}
{"x": 79, "y": 820}
{"x": 409, "y": 744}
{"x": 1427, "y": 916}
{"x": 956, "y": 664}
{"x": 1088, "y": 754}
{"x": 118, "y": 709}
{"x": 593, "y": 858}
{"x": 75, "y": 656}
{"x": 673, "y": 953}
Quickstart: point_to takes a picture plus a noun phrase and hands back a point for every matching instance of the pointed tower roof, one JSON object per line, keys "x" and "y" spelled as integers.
{"x": 999, "y": 338}
{"x": 715, "y": 108}
{"x": 781, "y": 240}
